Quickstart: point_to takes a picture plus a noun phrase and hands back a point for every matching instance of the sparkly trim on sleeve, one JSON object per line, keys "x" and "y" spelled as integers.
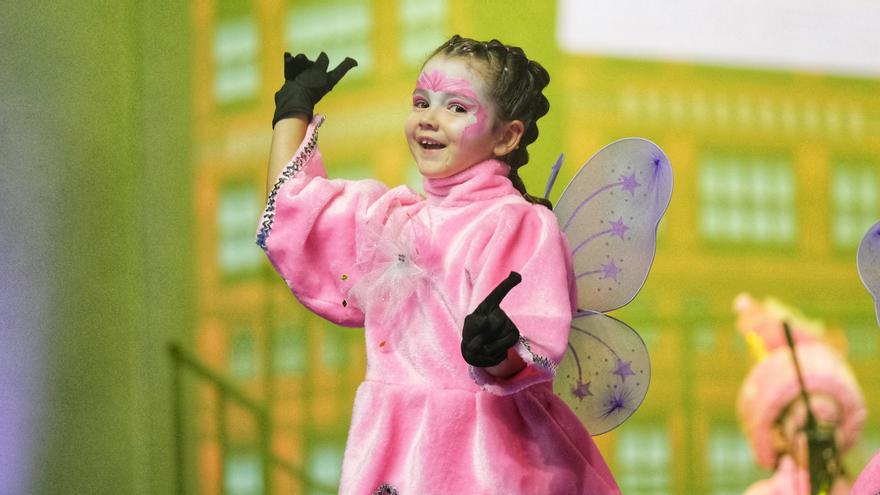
{"x": 540, "y": 369}
{"x": 300, "y": 158}
{"x": 538, "y": 359}
{"x": 386, "y": 489}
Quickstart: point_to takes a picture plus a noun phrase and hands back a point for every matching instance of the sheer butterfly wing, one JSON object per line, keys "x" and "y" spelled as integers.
{"x": 605, "y": 372}
{"x": 610, "y": 212}
{"x": 869, "y": 264}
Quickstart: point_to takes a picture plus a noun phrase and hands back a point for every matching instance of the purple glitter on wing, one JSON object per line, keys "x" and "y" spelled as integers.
{"x": 619, "y": 401}
{"x": 610, "y": 270}
{"x": 623, "y": 369}
{"x": 619, "y": 228}
{"x": 630, "y": 183}
{"x": 582, "y": 390}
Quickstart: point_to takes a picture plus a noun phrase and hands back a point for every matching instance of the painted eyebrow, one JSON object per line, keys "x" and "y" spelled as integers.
{"x": 438, "y": 82}
{"x": 448, "y": 97}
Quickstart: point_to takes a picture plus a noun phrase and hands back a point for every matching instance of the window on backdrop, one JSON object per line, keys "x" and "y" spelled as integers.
{"x": 238, "y": 255}
{"x": 705, "y": 338}
{"x": 235, "y": 54}
{"x": 855, "y": 194}
{"x": 243, "y": 355}
{"x": 747, "y": 199}
{"x": 422, "y": 27}
{"x": 643, "y": 459}
{"x": 291, "y": 349}
{"x": 732, "y": 467}
{"x": 341, "y": 28}
{"x": 324, "y": 463}
{"x": 335, "y": 351}
{"x": 243, "y": 473}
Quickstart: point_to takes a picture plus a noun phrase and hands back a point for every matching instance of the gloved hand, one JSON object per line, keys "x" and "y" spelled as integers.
{"x": 305, "y": 83}
{"x": 488, "y": 332}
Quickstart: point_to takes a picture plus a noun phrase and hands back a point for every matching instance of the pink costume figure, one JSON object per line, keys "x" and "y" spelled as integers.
{"x": 409, "y": 269}
{"x": 868, "y": 482}
{"x": 769, "y": 405}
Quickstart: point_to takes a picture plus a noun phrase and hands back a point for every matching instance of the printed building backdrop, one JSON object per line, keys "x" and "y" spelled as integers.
{"x": 777, "y": 176}
{"x": 135, "y": 142}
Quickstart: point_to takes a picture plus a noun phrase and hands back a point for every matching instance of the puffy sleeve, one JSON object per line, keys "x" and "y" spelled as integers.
{"x": 526, "y": 239}
{"x": 309, "y": 231}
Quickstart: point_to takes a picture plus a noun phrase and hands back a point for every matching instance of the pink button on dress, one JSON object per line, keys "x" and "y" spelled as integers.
{"x": 409, "y": 269}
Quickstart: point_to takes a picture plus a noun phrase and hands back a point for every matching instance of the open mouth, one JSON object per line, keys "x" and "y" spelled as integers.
{"x": 430, "y": 144}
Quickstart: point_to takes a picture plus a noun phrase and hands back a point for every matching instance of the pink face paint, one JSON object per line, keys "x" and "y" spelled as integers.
{"x": 477, "y": 127}
{"x": 438, "y": 82}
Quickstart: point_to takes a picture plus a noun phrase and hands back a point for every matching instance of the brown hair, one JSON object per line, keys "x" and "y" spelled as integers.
{"x": 516, "y": 87}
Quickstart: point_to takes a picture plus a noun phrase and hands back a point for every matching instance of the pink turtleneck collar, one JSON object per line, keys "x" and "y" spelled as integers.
{"x": 479, "y": 182}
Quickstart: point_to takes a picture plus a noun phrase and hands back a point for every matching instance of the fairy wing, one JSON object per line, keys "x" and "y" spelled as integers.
{"x": 605, "y": 373}
{"x": 869, "y": 264}
{"x": 609, "y": 213}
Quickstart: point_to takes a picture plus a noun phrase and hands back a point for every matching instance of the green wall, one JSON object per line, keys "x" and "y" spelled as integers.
{"x": 101, "y": 92}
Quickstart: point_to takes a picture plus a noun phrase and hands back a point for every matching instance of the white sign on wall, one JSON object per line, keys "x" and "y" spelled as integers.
{"x": 840, "y": 36}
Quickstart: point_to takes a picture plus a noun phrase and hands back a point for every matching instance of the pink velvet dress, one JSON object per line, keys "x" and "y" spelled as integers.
{"x": 409, "y": 269}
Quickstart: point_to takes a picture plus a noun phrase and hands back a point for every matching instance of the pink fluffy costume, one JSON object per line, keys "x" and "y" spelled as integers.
{"x": 409, "y": 269}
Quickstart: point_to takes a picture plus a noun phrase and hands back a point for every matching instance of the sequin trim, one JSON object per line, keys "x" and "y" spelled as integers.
{"x": 536, "y": 358}
{"x": 290, "y": 170}
{"x": 386, "y": 489}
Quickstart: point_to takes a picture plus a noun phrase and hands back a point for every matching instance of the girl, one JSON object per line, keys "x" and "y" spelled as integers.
{"x": 457, "y": 396}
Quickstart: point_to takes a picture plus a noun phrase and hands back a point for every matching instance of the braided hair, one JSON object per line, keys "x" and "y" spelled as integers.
{"x": 516, "y": 85}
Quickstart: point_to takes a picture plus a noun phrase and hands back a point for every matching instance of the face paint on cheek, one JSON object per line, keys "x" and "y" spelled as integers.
{"x": 476, "y": 127}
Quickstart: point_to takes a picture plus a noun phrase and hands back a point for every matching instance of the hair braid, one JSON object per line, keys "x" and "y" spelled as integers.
{"x": 517, "y": 85}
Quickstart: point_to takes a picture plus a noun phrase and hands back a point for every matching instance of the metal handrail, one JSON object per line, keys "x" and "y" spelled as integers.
{"x": 181, "y": 358}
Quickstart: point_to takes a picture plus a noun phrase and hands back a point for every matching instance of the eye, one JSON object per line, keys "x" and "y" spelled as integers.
{"x": 420, "y": 103}
{"x": 457, "y": 108}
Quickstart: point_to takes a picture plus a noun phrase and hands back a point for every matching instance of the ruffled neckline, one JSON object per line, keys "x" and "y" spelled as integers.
{"x": 480, "y": 182}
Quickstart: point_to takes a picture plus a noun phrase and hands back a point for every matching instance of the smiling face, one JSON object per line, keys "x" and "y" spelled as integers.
{"x": 453, "y": 123}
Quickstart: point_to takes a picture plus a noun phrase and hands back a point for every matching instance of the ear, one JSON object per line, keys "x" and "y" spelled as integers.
{"x": 508, "y": 137}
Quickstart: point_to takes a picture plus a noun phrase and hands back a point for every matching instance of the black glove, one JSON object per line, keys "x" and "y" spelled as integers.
{"x": 488, "y": 332}
{"x": 305, "y": 83}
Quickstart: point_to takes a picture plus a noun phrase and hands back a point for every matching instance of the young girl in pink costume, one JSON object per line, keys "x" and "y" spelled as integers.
{"x": 770, "y": 406}
{"x": 457, "y": 396}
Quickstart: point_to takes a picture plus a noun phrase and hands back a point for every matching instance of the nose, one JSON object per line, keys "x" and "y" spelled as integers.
{"x": 427, "y": 119}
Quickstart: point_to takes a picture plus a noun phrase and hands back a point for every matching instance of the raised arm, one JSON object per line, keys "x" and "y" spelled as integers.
{"x": 305, "y": 83}
{"x": 287, "y": 135}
